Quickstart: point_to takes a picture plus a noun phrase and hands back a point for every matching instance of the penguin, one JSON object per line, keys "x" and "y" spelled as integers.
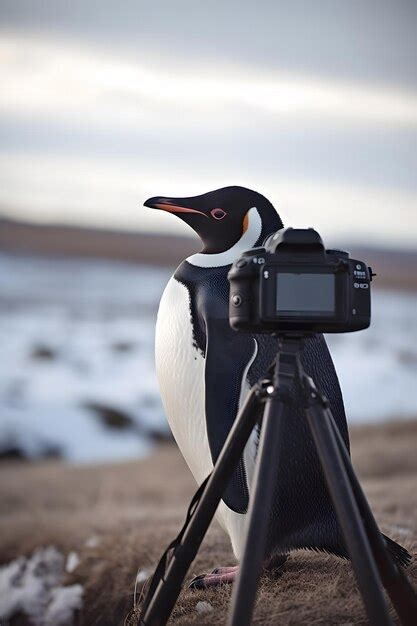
{"x": 205, "y": 369}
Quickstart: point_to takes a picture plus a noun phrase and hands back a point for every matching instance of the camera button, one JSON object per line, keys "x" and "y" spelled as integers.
{"x": 237, "y": 300}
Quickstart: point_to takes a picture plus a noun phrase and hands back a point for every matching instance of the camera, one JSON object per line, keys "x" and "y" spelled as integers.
{"x": 293, "y": 284}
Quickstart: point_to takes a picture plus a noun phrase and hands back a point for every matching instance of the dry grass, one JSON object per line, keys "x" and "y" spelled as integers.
{"x": 134, "y": 509}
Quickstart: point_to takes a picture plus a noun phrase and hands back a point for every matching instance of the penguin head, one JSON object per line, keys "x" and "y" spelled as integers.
{"x": 220, "y": 217}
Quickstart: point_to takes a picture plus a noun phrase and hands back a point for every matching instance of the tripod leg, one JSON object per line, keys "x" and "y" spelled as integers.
{"x": 347, "y": 511}
{"x": 393, "y": 578}
{"x": 158, "y": 608}
{"x": 244, "y": 591}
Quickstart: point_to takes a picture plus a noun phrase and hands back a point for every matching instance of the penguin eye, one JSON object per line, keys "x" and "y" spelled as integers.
{"x": 218, "y": 214}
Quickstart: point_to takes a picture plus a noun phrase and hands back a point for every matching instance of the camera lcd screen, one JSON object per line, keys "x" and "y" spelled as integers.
{"x": 301, "y": 294}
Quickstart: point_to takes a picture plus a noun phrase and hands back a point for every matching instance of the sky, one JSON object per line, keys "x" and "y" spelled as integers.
{"x": 104, "y": 104}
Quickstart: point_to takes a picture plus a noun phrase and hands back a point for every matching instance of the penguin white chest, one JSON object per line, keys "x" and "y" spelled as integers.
{"x": 180, "y": 370}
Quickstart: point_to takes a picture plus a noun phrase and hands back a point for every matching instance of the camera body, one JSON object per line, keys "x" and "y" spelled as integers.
{"x": 293, "y": 284}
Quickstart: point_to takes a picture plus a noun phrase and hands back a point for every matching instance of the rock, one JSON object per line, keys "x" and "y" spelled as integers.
{"x": 122, "y": 347}
{"x": 13, "y": 451}
{"x": 160, "y": 435}
{"x": 407, "y": 357}
{"x": 110, "y": 416}
{"x": 43, "y": 353}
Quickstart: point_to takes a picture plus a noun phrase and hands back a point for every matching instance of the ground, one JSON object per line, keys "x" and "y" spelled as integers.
{"x": 118, "y": 519}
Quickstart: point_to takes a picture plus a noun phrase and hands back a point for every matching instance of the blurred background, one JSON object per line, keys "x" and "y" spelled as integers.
{"x": 104, "y": 104}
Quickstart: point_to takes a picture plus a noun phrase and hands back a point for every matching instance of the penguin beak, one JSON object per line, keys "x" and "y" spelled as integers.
{"x": 169, "y": 204}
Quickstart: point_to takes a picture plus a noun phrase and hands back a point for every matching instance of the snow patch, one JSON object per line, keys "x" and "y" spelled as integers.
{"x": 73, "y": 561}
{"x": 203, "y": 607}
{"x": 92, "y": 542}
{"x": 33, "y": 586}
{"x": 63, "y": 604}
{"x": 142, "y": 575}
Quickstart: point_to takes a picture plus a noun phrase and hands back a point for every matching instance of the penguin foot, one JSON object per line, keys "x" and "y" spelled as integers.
{"x": 219, "y": 576}
{"x": 228, "y": 575}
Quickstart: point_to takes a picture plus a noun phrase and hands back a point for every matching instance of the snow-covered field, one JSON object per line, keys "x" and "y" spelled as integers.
{"x": 77, "y": 370}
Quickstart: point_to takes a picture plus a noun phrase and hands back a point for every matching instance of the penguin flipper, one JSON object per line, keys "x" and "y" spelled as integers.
{"x": 227, "y": 357}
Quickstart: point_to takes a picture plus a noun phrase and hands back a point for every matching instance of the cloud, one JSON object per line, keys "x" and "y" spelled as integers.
{"x": 64, "y": 80}
{"x": 88, "y": 134}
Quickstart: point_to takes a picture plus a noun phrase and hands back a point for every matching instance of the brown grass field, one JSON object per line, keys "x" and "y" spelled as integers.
{"x": 133, "y": 510}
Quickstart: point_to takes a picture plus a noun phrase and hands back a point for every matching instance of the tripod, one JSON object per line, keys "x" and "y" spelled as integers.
{"x": 373, "y": 566}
